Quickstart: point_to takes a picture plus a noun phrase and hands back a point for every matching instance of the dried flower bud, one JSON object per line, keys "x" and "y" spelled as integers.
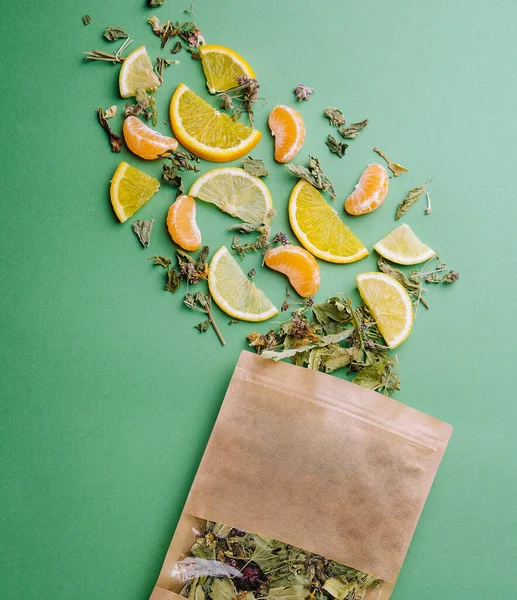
{"x": 428, "y": 211}
{"x": 451, "y": 277}
{"x": 195, "y": 38}
{"x": 303, "y": 92}
{"x": 226, "y": 102}
{"x": 285, "y": 306}
{"x": 280, "y": 238}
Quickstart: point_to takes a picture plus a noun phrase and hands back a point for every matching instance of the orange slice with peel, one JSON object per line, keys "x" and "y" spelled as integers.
{"x": 222, "y": 66}
{"x": 205, "y": 131}
{"x": 370, "y": 192}
{"x": 144, "y": 141}
{"x": 300, "y": 266}
{"x": 130, "y": 189}
{"x": 288, "y": 129}
{"x": 181, "y": 223}
{"x": 320, "y": 229}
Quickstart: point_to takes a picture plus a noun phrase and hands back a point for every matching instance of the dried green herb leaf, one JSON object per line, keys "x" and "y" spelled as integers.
{"x": 176, "y": 48}
{"x": 203, "y": 326}
{"x": 222, "y": 589}
{"x": 336, "y": 147}
{"x": 395, "y": 168}
{"x": 314, "y": 174}
{"x": 335, "y": 116}
{"x": 143, "y": 231}
{"x": 412, "y": 197}
{"x": 115, "y": 140}
{"x": 371, "y": 377}
{"x": 170, "y": 176}
{"x": 255, "y": 166}
{"x": 201, "y": 264}
{"x": 342, "y": 357}
{"x": 291, "y": 592}
{"x": 107, "y": 56}
{"x": 86, "y": 19}
{"x": 325, "y": 340}
{"x": 332, "y": 311}
{"x": 410, "y": 285}
{"x": 162, "y": 261}
{"x": 352, "y": 131}
{"x": 113, "y": 34}
{"x": 203, "y": 303}
{"x": 163, "y": 63}
{"x": 154, "y": 3}
{"x": 145, "y": 105}
{"x": 173, "y": 281}
{"x": 245, "y": 227}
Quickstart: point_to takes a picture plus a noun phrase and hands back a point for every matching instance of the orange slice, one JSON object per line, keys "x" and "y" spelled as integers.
{"x": 370, "y": 192}
{"x": 288, "y": 129}
{"x": 300, "y": 266}
{"x": 144, "y": 141}
{"x": 205, "y": 131}
{"x": 181, "y": 223}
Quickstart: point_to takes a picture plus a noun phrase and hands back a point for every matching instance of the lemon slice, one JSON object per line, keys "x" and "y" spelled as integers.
{"x": 130, "y": 189}
{"x": 137, "y": 73}
{"x": 222, "y": 66}
{"x": 389, "y": 304}
{"x": 205, "y": 131}
{"x": 234, "y": 293}
{"x": 402, "y": 246}
{"x": 318, "y": 227}
{"x": 235, "y": 192}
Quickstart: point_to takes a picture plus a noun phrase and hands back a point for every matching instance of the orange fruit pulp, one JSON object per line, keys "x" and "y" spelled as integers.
{"x": 288, "y": 129}
{"x": 370, "y": 192}
{"x": 181, "y": 223}
{"x": 144, "y": 141}
{"x": 300, "y": 266}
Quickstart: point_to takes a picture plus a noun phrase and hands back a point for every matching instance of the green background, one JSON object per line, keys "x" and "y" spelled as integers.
{"x": 108, "y": 393}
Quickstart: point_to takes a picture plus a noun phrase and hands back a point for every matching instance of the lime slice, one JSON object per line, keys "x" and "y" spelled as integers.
{"x": 235, "y": 192}
{"x": 389, "y": 304}
{"x": 318, "y": 227}
{"x": 234, "y": 293}
{"x": 137, "y": 73}
{"x": 402, "y": 246}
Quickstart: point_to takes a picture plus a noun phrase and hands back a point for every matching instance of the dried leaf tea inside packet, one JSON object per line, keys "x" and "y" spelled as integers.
{"x": 303, "y": 474}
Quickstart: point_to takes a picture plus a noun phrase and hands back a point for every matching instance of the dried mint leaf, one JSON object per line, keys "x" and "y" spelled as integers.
{"x": 112, "y": 34}
{"x": 86, "y": 19}
{"x": 245, "y": 227}
{"x": 154, "y": 3}
{"x": 314, "y": 174}
{"x": 255, "y": 166}
{"x": 162, "y": 261}
{"x": 290, "y": 592}
{"x": 410, "y": 285}
{"x": 115, "y": 140}
{"x": 173, "y": 280}
{"x": 170, "y": 176}
{"x": 335, "y": 116}
{"x": 336, "y": 147}
{"x": 352, "y": 131}
{"x": 395, "y": 168}
{"x": 143, "y": 231}
{"x": 203, "y": 326}
{"x": 371, "y": 377}
{"x": 412, "y": 197}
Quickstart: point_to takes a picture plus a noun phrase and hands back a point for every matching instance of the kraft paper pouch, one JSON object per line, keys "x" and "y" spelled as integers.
{"x": 316, "y": 462}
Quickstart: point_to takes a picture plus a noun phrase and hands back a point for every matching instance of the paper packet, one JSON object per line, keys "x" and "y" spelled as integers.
{"x": 315, "y": 462}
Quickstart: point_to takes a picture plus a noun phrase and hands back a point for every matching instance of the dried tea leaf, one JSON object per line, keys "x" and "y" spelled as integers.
{"x": 203, "y": 326}
{"x": 162, "y": 261}
{"x": 245, "y": 227}
{"x": 335, "y": 116}
{"x": 222, "y": 589}
{"x": 352, "y": 131}
{"x": 371, "y": 377}
{"x": 112, "y": 34}
{"x": 336, "y": 147}
{"x": 143, "y": 231}
{"x": 176, "y": 48}
{"x": 182, "y": 160}
{"x": 255, "y": 166}
{"x": 410, "y": 285}
{"x": 162, "y": 63}
{"x": 291, "y": 592}
{"x": 115, "y": 140}
{"x": 154, "y": 3}
{"x": 342, "y": 357}
{"x": 170, "y": 176}
{"x": 86, "y": 19}
{"x": 173, "y": 280}
{"x": 314, "y": 174}
{"x": 395, "y": 168}
{"x": 412, "y": 197}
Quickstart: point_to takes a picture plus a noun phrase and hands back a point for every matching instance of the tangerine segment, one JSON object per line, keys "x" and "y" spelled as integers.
{"x": 370, "y": 192}
{"x": 205, "y": 131}
{"x": 222, "y": 67}
{"x": 300, "y": 266}
{"x": 144, "y": 141}
{"x": 288, "y": 129}
{"x": 319, "y": 228}
{"x": 181, "y": 223}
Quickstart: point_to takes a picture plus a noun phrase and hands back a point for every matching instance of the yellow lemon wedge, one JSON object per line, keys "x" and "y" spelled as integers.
{"x": 136, "y": 73}
{"x": 402, "y": 246}
{"x": 222, "y": 66}
{"x": 130, "y": 189}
